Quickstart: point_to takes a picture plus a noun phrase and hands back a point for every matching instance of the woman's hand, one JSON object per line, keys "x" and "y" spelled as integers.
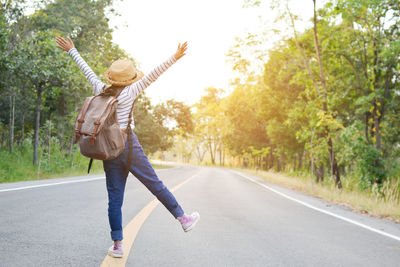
{"x": 180, "y": 52}
{"x": 63, "y": 44}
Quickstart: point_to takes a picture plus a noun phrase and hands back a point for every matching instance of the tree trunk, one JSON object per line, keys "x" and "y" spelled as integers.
{"x": 265, "y": 162}
{"x": 300, "y": 161}
{"x": 3, "y": 137}
{"x": 272, "y": 159}
{"x": 322, "y": 74}
{"x": 215, "y": 144}
{"x": 334, "y": 166}
{"x": 71, "y": 145}
{"x": 200, "y": 154}
{"x": 319, "y": 173}
{"x": 49, "y": 143}
{"x": 312, "y": 155}
{"x": 279, "y": 164}
{"x": 211, "y": 152}
{"x": 12, "y": 116}
{"x": 223, "y": 157}
{"x": 220, "y": 155}
{"x": 377, "y": 130}
{"x": 37, "y": 125}
{"x": 22, "y": 128}
{"x": 366, "y": 127}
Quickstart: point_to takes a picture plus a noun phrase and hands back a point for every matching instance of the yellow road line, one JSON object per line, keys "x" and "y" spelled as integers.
{"x": 132, "y": 229}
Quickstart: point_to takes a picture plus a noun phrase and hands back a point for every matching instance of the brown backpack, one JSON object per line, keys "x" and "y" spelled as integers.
{"x": 96, "y": 127}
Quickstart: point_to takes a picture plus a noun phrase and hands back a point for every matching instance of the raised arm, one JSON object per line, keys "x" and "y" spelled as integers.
{"x": 136, "y": 88}
{"x": 68, "y": 46}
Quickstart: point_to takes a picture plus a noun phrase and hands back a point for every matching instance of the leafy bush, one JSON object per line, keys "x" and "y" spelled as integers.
{"x": 364, "y": 159}
{"x": 18, "y": 165}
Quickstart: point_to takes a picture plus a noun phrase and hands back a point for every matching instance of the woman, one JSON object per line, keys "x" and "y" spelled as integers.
{"x": 123, "y": 73}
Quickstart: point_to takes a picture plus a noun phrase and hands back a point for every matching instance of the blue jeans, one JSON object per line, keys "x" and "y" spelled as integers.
{"x": 117, "y": 171}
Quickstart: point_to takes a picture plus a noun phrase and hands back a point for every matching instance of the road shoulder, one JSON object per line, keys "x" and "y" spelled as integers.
{"x": 381, "y": 224}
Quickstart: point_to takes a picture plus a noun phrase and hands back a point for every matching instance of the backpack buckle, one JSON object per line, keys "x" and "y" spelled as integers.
{"x": 92, "y": 140}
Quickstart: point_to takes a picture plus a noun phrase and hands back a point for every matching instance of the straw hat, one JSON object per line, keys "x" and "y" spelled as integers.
{"x": 122, "y": 73}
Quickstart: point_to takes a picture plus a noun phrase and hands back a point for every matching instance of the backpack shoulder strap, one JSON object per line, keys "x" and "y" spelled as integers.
{"x": 81, "y": 119}
{"x": 90, "y": 165}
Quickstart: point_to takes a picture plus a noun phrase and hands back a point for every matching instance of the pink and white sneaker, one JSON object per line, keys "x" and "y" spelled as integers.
{"x": 116, "y": 250}
{"x": 189, "y": 221}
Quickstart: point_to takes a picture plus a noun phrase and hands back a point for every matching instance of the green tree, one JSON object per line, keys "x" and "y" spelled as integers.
{"x": 207, "y": 117}
{"x": 176, "y": 116}
{"x": 150, "y": 131}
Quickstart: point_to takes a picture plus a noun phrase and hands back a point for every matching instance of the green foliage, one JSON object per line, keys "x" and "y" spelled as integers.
{"x": 334, "y": 109}
{"x": 243, "y": 128}
{"x": 18, "y": 166}
{"x": 369, "y": 165}
{"x": 47, "y": 84}
{"x": 153, "y": 136}
{"x": 176, "y": 116}
{"x": 208, "y": 118}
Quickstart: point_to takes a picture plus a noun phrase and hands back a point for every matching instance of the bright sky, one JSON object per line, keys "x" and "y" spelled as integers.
{"x": 150, "y": 30}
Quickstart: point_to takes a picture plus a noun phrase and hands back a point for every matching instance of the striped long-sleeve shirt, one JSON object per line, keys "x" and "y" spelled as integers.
{"x": 129, "y": 93}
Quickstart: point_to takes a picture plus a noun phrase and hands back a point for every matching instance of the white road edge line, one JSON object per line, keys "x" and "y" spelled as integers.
{"x": 41, "y": 185}
{"x": 167, "y": 169}
{"x": 67, "y": 182}
{"x": 318, "y": 209}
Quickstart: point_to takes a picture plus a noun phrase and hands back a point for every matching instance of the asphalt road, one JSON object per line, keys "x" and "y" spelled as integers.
{"x": 63, "y": 222}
